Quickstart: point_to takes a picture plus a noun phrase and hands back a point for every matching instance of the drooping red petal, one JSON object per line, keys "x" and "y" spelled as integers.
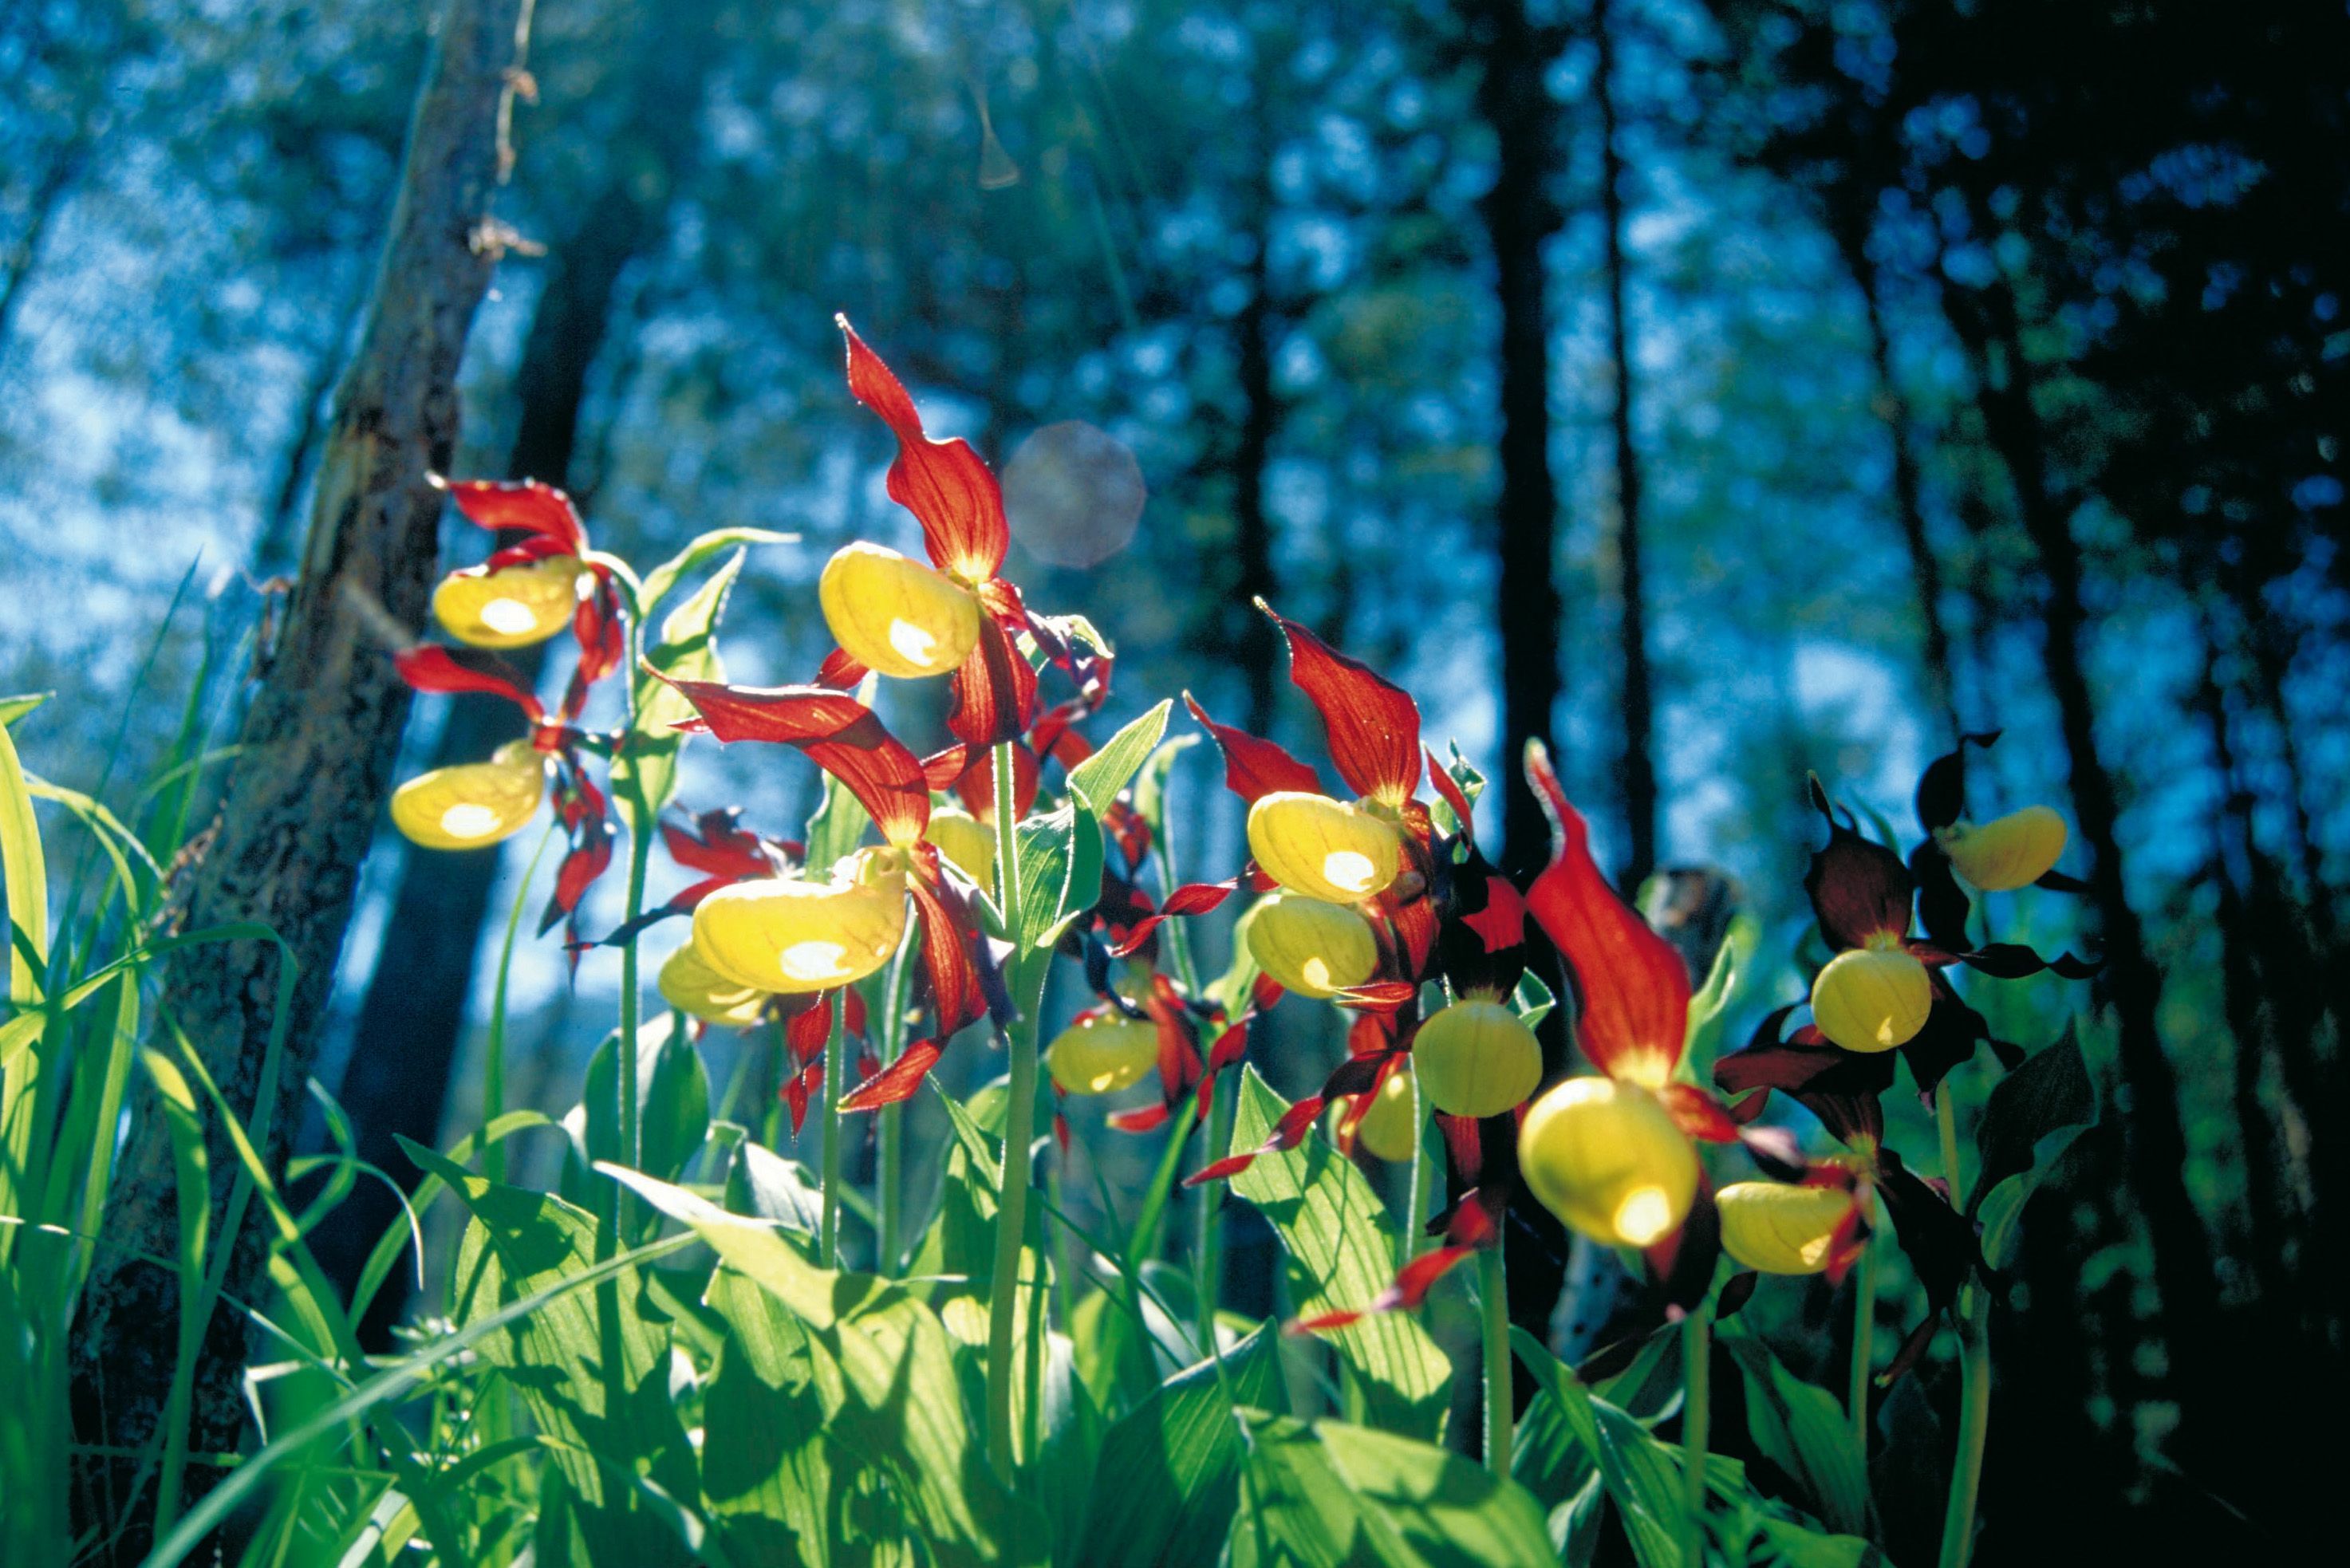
{"x": 581, "y": 807}
{"x": 1859, "y": 890}
{"x": 1412, "y": 1283}
{"x": 1699, "y": 1113}
{"x": 715, "y": 843}
{"x": 1287, "y": 1134}
{"x": 995, "y": 690}
{"x": 526, "y": 505}
{"x": 1683, "y": 1262}
{"x": 431, "y": 667}
{"x": 839, "y": 672}
{"x": 1633, "y": 987}
{"x": 1224, "y": 1052}
{"x": 1255, "y": 767}
{"x": 1373, "y": 723}
{"x": 806, "y": 1032}
{"x": 1141, "y": 1119}
{"x": 842, "y": 735}
{"x": 897, "y": 1082}
{"x": 944, "y": 483}
{"x": 1377, "y": 996}
{"x": 956, "y": 995}
{"x": 1190, "y": 898}
{"x": 799, "y": 1088}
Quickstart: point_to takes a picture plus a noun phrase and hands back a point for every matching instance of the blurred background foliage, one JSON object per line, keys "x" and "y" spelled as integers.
{"x": 1720, "y": 388}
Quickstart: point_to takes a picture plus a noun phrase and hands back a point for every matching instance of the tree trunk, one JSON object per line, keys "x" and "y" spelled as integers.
{"x": 1639, "y": 767}
{"x": 305, "y": 790}
{"x": 1519, "y": 217}
{"x": 2155, "y": 1137}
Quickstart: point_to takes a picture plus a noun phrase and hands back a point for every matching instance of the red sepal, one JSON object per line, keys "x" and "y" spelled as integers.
{"x": 714, "y": 843}
{"x": 806, "y": 1031}
{"x": 526, "y": 506}
{"x": 799, "y": 1088}
{"x": 944, "y": 483}
{"x": 1633, "y": 988}
{"x": 839, "y": 672}
{"x": 431, "y": 667}
{"x": 1141, "y": 1119}
{"x": 1450, "y": 788}
{"x": 1373, "y": 723}
{"x": 1698, "y": 1114}
{"x": 897, "y": 1082}
{"x": 1190, "y": 898}
{"x": 842, "y": 735}
{"x": 1287, "y": 1134}
{"x": 1377, "y": 996}
{"x": 580, "y": 805}
{"x": 1255, "y": 767}
{"x": 1682, "y": 1263}
{"x": 995, "y": 690}
{"x": 956, "y": 995}
{"x": 974, "y": 781}
{"x": 1858, "y": 889}
{"x": 1412, "y": 1283}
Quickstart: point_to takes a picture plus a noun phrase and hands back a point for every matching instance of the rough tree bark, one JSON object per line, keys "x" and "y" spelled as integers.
{"x": 1514, "y": 54}
{"x": 1640, "y": 764}
{"x": 305, "y": 791}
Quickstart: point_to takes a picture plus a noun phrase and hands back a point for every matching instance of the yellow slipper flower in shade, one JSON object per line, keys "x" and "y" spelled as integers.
{"x": 473, "y": 804}
{"x": 792, "y": 937}
{"x": 1103, "y": 1053}
{"x": 1312, "y": 948}
{"x": 965, "y": 840}
{"x": 2007, "y": 852}
{"x": 511, "y": 606}
{"x": 1786, "y": 1228}
{"x": 1324, "y": 848}
{"x": 687, "y": 984}
{"x": 1608, "y": 1159}
{"x": 1476, "y": 1058}
{"x": 895, "y": 614}
{"x": 1387, "y": 1127}
{"x": 1872, "y": 998}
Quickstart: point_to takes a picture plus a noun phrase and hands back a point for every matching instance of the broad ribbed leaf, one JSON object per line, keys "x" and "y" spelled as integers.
{"x": 688, "y": 651}
{"x": 1096, "y": 781}
{"x": 1170, "y": 1467}
{"x": 1801, "y": 1429}
{"x": 1334, "y": 1496}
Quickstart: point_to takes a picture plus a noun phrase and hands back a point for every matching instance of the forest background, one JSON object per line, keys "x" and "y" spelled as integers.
{"x": 1764, "y": 387}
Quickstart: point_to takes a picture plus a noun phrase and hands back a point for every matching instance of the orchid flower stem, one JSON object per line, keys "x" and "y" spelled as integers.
{"x": 1974, "y": 1365}
{"x": 641, "y": 849}
{"x": 1019, "y": 1131}
{"x": 1207, "y": 1253}
{"x": 493, "y": 1054}
{"x": 1415, "y": 1197}
{"x": 1864, "y": 1328}
{"x": 1501, "y": 1398}
{"x": 885, "y": 1177}
{"x": 1697, "y": 1355}
{"x": 836, "y": 1065}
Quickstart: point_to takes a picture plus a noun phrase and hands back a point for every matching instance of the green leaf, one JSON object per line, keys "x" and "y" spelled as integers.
{"x": 2050, "y": 1093}
{"x": 669, "y": 573}
{"x": 1532, "y": 999}
{"x": 1096, "y": 781}
{"x": 646, "y": 766}
{"x": 764, "y": 1184}
{"x": 1643, "y": 1478}
{"x": 1709, "y": 1009}
{"x": 1334, "y": 1496}
{"x": 1151, "y": 783}
{"x": 1171, "y": 1464}
{"x": 836, "y": 828}
{"x": 1803, "y": 1430}
{"x": 1341, "y": 1243}
{"x": 1060, "y": 872}
{"x": 26, "y": 872}
{"x": 672, "y": 1101}
{"x": 13, "y": 708}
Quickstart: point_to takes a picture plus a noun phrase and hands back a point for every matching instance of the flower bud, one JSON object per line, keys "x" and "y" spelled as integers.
{"x": 796, "y": 937}
{"x": 1103, "y": 1053}
{"x": 1781, "y": 1229}
{"x": 473, "y": 804}
{"x": 687, "y": 984}
{"x": 896, "y": 615}
{"x": 1312, "y": 948}
{"x": 1386, "y": 1128}
{"x": 1324, "y": 848}
{"x": 1476, "y": 1059}
{"x": 965, "y": 840}
{"x": 1609, "y": 1161}
{"x": 2013, "y": 851}
{"x": 513, "y": 607}
{"x": 1872, "y": 999}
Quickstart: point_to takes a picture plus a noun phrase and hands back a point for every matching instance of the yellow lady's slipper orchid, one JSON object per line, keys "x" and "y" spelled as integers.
{"x": 473, "y": 804}
{"x": 1781, "y": 1229}
{"x": 1324, "y": 848}
{"x": 510, "y": 607}
{"x": 796, "y": 937}
{"x": 1103, "y": 1053}
{"x": 1386, "y": 1128}
{"x": 1872, "y": 999}
{"x": 1476, "y": 1059}
{"x": 687, "y": 984}
{"x": 896, "y": 615}
{"x": 1312, "y": 948}
{"x": 1609, "y": 1161}
{"x": 965, "y": 840}
{"x": 2009, "y": 852}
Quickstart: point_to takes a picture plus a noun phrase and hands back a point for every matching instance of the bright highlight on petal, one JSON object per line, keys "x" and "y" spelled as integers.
{"x": 510, "y": 607}
{"x": 1872, "y": 999}
{"x": 816, "y": 963}
{"x": 896, "y": 615}
{"x": 1324, "y": 848}
{"x": 798, "y": 936}
{"x": 1102, "y": 1054}
{"x": 1476, "y": 1059}
{"x": 2009, "y": 852}
{"x": 1781, "y": 1229}
{"x": 1609, "y": 1161}
{"x": 1311, "y": 948}
{"x": 472, "y": 804}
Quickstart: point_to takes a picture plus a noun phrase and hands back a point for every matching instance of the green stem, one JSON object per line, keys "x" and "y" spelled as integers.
{"x": 641, "y": 850}
{"x": 836, "y": 1063}
{"x": 1696, "y": 1354}
{"x": 893, "y": 1128}
{"x": 493, "y": 1057}
{"x": 1493, "y": 1287}
{"x": 1019, "y": 1117}
{"x": 1974, "y": 1365}
{"x": 1415, "y": 1196}
{"x": 1207, "y": 1258}
{"x": 1864, "y": 1328}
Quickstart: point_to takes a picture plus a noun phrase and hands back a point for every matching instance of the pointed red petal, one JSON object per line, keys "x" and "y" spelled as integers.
{"x": 994, "y": 691}
{"x": 1373, "y": 723}
{"x": 1252, "y": 766}
{"x": 944, "y": 483}
{"x": 1141, "y": 1119}
{"x": 1633, "y": 988}
{"x": 897, "y": 1082}
{"x": 1450, "y": 788}
{"x": 1699, "y": 1113}
{"x": 525, "y": 504}
{"x": 839, "y": 672}
{"x": 806, "y": 1032}
{"x": 429, "y": 667}
{"x": 956, "y": 995}
{"x": 1191, "y": 898}
{"x": 841, "y": 734}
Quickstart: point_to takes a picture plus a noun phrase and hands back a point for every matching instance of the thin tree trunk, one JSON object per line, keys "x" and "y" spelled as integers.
{"x": 404, "y": 1044}
{"x": 2154, "y": 1137}
{"x": 1520, "y": 217}
{"x": 304, "y": 793}
{"x": 1639, "y": 766}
